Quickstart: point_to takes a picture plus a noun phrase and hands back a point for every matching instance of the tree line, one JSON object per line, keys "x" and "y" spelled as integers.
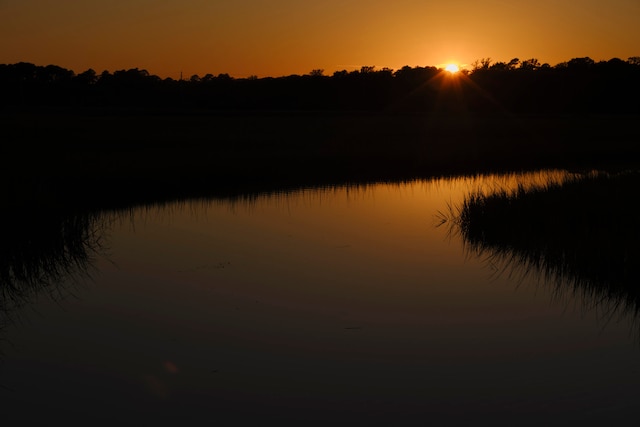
{"x": 527, "y": 86}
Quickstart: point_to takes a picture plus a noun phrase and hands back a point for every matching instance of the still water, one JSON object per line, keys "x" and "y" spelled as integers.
{"x": 341, "y": 305}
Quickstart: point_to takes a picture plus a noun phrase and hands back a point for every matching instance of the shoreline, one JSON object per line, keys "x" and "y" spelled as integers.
{"x": 140, "y": 154}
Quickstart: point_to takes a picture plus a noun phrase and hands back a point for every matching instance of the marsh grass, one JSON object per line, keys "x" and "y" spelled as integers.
{"x": 46, "y": 252}
{"x": 91, "y": 161}
{"x": 99, "y": 156}
{"x": 580, "y": 236}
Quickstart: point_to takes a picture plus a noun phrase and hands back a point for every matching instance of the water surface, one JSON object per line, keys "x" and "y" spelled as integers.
{"x": 346, "y": 304}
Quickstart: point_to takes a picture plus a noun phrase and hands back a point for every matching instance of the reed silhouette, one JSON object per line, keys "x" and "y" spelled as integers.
{"x": 580, "y": 236}
{"x": 120, "y": 159}
{"x": 45, "y": 251}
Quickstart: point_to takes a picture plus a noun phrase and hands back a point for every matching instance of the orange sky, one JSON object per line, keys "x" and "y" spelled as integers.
{"x": 283, "y": 37}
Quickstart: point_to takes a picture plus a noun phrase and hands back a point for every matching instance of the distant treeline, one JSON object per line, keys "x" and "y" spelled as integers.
{"x": 578, "y": 85}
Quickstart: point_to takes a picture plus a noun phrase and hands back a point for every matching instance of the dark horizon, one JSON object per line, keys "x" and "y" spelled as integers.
{"x": 487, "y": 62}
{"x": 132, "y": 135}
{"x": 519, "y": 86}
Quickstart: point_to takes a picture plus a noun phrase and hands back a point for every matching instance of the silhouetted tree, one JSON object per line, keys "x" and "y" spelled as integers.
{"x": 481, "y": 64}
{"x": 88, "y": 77}
{"x": 513, "y": 64}
{"x": 580, "y": 84}
{"x": 580, "y": 63}
{"x": 634, "y": 60}
{"x": 530, "y": 64}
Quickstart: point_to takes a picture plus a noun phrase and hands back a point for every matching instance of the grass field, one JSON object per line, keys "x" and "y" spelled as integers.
{"x": 139, "y": 154}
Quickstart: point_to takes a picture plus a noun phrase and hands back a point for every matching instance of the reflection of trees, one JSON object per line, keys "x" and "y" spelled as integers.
{"x": 581, "y": 236}
{"x": 41, "y": 250}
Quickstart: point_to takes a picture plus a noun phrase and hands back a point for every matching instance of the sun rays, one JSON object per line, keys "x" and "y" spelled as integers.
{"x": 452, "y": 68}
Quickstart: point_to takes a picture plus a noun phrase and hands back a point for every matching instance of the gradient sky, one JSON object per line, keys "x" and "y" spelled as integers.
{"x": 283, "y": 37}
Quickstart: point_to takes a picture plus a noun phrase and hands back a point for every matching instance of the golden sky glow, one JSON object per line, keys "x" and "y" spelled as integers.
{"x": 452, "y": 68}
{"x": 283, "y": 37}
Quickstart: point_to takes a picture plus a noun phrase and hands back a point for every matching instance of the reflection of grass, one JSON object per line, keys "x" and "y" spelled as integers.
{"x": 581, "y": 235}
{"x": 59, "y": 161}
{"x": 41, "y": 251}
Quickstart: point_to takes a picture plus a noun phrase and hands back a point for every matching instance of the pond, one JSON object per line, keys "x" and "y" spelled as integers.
{"x": 351, "y": 304}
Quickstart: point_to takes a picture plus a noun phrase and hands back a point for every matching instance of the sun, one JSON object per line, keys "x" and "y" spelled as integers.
{"x": 452, "y": 68}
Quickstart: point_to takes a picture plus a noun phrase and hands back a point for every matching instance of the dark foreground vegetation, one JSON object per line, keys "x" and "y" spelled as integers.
{"x": 580, "y": 236}
{"x": 77, "y": 145}
{"x": 99, "y": 140}
{"x": 116, "y": 160}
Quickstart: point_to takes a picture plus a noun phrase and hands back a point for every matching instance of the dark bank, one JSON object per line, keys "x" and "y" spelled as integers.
{"x": 266, "y": 249}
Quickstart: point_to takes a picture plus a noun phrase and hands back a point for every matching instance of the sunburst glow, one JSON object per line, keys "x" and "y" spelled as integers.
{"x": 452, "y": 68}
